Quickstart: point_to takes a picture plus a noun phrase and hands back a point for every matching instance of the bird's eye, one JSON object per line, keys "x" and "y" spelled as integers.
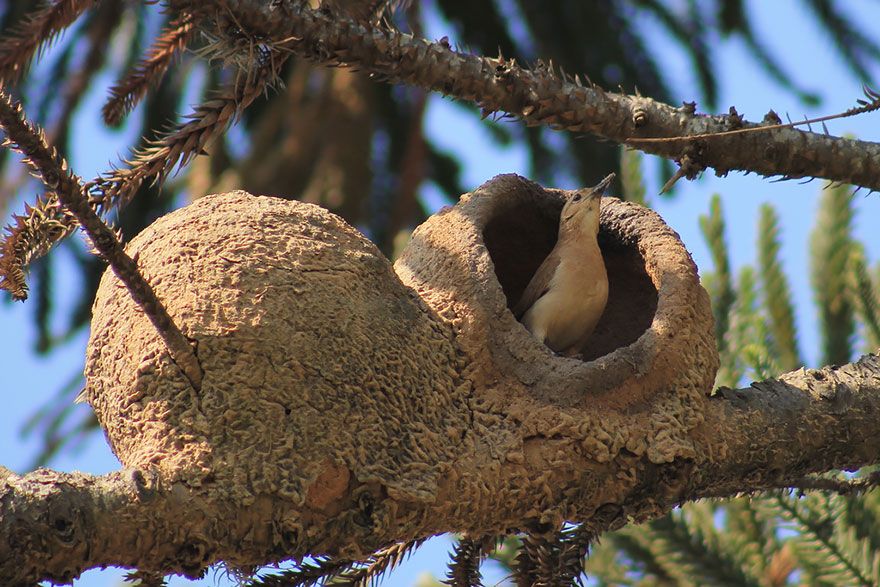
{"x": 576, "y": 198}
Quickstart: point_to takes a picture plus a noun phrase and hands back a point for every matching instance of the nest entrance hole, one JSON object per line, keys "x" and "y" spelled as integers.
{"x": 521, "y": 236}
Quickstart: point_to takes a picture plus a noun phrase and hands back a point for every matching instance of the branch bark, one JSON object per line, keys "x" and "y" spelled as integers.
{"x": 56, "y": 525}
{"x": 775, "y": 431}
{"x": 542, "y": 97}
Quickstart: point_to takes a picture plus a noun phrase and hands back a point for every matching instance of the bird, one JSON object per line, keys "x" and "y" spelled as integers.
{"x": 565, "y": 298}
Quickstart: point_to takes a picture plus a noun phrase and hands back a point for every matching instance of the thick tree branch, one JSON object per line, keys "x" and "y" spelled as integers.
{"x": 58, "y": 524}
{"x": 55, "y": 525}
{"x": 807, "y": 421}
{"x": 543, "y": 97}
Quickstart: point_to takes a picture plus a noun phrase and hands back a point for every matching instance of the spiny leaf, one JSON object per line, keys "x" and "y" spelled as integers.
{"x": 631, "y": 176}
{"x": 712, "y": 227}
{"x": 750, "y": 339}
{"x": 826, "y": 547}
{"x": 39, "y": 28}
{"x": 32, "y": 235}
{"x": 864, "y": 295}
{"x": 679, "y": 551}
{"x": 464, "y": 564}
{"x": 777, "y": 296}
{"x": 129, "y": 91}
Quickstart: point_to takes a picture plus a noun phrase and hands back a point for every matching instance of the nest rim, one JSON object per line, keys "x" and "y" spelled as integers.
{"x": 629, "y": 374}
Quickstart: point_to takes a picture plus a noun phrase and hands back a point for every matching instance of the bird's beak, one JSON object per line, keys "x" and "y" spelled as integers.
{"x": 602, "y": 186}
{"x": 594, "y": 192}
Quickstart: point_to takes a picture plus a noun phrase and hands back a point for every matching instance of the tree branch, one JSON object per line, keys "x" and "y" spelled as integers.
{"x": 149, "y": 71}
{"x": 774, "y": 432}
{"x": 38, "y": 29}
{"x": 542, "y": 97}
{"x": 67, "y": 189}
{"x": 54, "y": 525}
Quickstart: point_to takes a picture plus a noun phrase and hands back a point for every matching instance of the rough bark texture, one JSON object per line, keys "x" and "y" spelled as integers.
{"x": 540, "y": 96}
{"x": 774, "y": 432}
{"x": 347, "y": 404}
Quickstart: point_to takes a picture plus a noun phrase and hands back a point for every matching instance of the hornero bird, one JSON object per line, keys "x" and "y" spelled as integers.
{"x": 563, "y": 302}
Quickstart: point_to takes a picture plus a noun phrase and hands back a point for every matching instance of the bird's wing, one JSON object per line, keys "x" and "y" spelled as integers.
{"x": 539, "y": 284}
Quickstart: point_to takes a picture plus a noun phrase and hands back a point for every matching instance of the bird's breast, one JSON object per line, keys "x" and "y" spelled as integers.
{"x": 573, "y": 304}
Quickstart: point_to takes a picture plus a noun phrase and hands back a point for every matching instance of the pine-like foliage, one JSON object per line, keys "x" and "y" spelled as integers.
{"x": 864, "y": 294}
{"x": 826, "y": 546}
{"x": 719, "y": 284}
{"x": 831, "y": 246}
{"x": 777, "y": 296}
{"x": 464, "y": 564}
{"x": 631, "y": 177}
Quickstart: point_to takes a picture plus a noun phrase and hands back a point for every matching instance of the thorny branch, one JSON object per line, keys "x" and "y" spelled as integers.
{"x": 67, "y": 189}
{"x": 17, "y": 48}
{"x": 34, "y": 234}
{"x": 179, "y": 146}
{"x": 342, "y": 571}
{"x": 132, "y": 88}
{"x": 865, "y": 106}
{"x": 542, "y": 97}
{"x": 258, "y": 37}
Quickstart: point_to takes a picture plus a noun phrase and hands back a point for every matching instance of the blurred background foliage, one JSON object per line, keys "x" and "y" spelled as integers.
{"x": 357, "y": 147}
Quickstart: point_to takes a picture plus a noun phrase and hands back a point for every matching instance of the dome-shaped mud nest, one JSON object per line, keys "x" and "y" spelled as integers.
{"x": 657, "y": 328}
{"x": 356, "y": 397}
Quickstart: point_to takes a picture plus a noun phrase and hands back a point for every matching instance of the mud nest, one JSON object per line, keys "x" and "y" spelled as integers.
{"x": 656, "y": 327}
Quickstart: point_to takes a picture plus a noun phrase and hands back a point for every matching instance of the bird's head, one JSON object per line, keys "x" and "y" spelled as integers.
{"x": 581, "y": 210}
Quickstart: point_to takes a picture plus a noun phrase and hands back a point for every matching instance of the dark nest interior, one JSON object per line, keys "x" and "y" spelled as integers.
{"x": 521, "y": 236}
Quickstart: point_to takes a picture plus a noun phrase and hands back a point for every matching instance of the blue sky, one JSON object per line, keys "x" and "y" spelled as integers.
{"x": 792, "y": 37}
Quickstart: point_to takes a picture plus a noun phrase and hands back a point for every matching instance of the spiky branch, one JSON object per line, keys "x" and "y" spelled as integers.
{"x": 18, "y": 48}
{"x": 542, "y": 97}
{"x": 131, "y": 89}
{"x": 179, "y": 146}
{"x": 342, "y": 571}
{"x": 777, "y": 296}
{"x": 44, "y": 225}
{"x": 67, "y": 190}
